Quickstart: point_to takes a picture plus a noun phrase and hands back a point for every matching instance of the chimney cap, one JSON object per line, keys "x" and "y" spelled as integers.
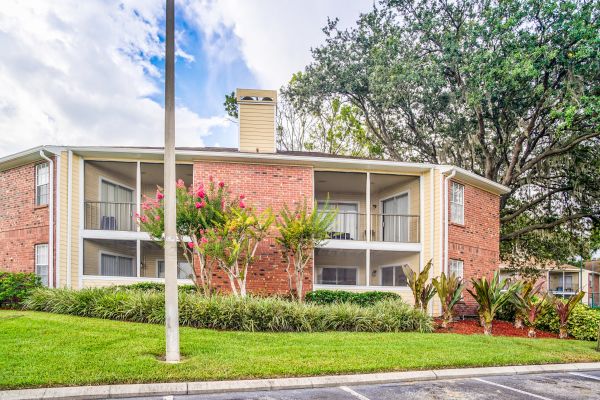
{"x": 256, "y": 95}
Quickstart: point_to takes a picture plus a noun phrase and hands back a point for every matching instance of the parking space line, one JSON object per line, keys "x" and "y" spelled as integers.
{"x": 353, "y": 393}
{"x": 596, "y": 378}
{"x": 513, "y": 389}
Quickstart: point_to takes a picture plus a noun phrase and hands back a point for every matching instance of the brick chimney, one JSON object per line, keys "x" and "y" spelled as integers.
{"x": 257, "y": 120}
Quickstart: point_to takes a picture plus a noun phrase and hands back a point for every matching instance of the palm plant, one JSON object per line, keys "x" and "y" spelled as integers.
{"x": 422, "y": 291}
{"x": 563, "y": 310}
{"x": 449, "y": 290}
{"x": 491, "y": 296}
{"x": 522, "y": 296}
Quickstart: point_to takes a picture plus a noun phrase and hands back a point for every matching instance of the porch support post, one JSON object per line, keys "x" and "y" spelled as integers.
{"x": 368, "y": 267}
{"x": 368, "y": 210}
{"x": 138, "y": 190}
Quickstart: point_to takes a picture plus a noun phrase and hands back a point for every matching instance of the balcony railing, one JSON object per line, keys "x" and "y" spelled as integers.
{"x": 110, "y": 216}
{"x": 399, "y": 228}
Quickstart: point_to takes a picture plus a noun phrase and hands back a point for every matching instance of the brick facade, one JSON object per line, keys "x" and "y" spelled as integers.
{"x": 22, "y": 223}
{"x": 476, "y": 242}
{"x": 264, "y": 186}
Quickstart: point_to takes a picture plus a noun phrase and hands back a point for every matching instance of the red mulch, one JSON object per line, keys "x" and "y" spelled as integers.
{"x": 499, "y": 328}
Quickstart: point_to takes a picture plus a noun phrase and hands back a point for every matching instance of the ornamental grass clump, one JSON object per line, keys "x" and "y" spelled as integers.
{"x": 563, "y": 309}
{"x": 231, "y": 312}
{"x": 422, "y": 291}
{"x": 449, "y": 290}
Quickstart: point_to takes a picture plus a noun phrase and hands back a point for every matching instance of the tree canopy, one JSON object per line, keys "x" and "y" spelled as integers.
{"x": 507, "y": 89}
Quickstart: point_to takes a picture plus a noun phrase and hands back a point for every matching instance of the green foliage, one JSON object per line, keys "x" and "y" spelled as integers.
{"x": 230, "y": 312}
{"x": 160, "y": 287}
{"x": 300, "y": 231}
{"x": 341, "y": 296}
{"x": 16, "y": 287}
{"x": 565, "y": 308}
{"x": 583, "y": 322}
{"x": 449, "y": 290}
{"x": 422, "y": 291}
{"x": 231, "y": 105}
{"x": 506, "y": 89}
{"x": 491, "y": 296}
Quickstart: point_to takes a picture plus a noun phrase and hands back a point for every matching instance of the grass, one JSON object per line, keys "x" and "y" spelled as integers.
{"x": 39, "y": 349}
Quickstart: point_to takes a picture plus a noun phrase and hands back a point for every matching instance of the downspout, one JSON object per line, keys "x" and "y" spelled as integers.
{"x": 50, "y": 221}
{"x": 69, "y": 215}
{"x": 446, "y": 179}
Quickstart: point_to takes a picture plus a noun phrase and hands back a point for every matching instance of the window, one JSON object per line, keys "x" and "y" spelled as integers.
{"x": 456, "y": 268}
{"x": 116, "y": 265}
{"x": 457, "y": 203}
{"x": 338, "y": 276}
{"x": 345, "y": 224}
{"x": 184, "y": 270}
{"x": 117, "y": 207}
{"x": 41, "y": 262}
{"x": 393, "y": 276}
{"x": 42, "y": 178}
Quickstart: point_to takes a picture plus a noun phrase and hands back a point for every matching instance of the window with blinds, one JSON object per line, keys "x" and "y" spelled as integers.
{"x": 42, "y": 184}
{"x": 457, "y": 203}
{"x": 115, "y": 265}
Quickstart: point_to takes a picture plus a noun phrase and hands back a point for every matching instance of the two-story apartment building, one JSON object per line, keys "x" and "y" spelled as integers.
{"x": 69, "y": 211}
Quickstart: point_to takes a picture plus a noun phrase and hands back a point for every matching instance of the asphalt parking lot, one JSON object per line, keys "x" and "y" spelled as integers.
{"x": 555, "y": 386}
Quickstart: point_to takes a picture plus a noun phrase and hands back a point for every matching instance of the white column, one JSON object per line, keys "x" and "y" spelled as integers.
{"x": 138, "y": 257}
{"x": 368, "y": 208}
{"x": 368, "y": 267}
{"x": 138, "y": 190}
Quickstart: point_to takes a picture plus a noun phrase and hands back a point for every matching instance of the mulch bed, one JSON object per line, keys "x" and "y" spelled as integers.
{"x": 499, "y": 328}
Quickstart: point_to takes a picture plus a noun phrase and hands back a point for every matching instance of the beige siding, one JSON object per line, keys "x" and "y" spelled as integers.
{"x": 257, "y": 121}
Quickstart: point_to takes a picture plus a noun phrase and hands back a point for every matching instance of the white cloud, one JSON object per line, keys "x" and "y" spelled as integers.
{"x": 274, "y": 37}
{"x": 80, "y": 72}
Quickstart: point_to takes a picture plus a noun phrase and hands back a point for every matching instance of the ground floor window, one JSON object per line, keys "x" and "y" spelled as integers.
{"x": 116, "y": 265}
{"x": 41, "y": 262}
{"x": 338, "y": 276}
{"x": 393, "y": 276}
{"x": 184, "y": 270}
{"x": 456, "y": 267}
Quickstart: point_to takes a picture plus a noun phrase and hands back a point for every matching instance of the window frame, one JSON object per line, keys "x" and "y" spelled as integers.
{"x": 38, "y": 186}
{"x": 458, "y": 262}
{"x": 454, "y": 203}
{"x": 113, "y": 254}
{"x": 382, "y": 267}
{"x": 337, "y": 267}
{"x": 38, "y": 264}
{"x": 179, "y": 262}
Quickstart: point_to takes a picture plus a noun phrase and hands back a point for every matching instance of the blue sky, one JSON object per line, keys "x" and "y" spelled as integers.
{"x": 91, "y": 73}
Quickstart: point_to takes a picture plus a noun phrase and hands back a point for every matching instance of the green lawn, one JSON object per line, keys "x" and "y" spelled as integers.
{"x": 39, "y": 349}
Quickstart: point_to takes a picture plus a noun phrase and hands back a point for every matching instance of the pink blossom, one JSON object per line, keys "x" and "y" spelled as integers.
{"x": 242, "y": 197}
{"x": 221, "y": 184}
{"x": 201, "y": 193}
{"x": 202, "y": 204}
{"x": 180, "y": 183}
{"x": 198, "y": 204}
{"x": 191, "y": 245}
{"x": 204, "y": 240}
{"x": 144, "y": 219}
{"x": 222, "y": 204}
{"x": 159, "y": 195}
{"x": 242, "y": 204}
{"x": 157, "y": 218}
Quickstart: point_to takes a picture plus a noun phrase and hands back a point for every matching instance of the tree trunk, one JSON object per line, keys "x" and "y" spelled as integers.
{"x": 299, "y": 286}
{"x": 444, "y": 323}
{"x": 519, "y": 322}
{"x": 562, "y": 332}
{"x": 487, "y": 327}
{"x": 481, "y": 320}
{"x": 531, "y": 332}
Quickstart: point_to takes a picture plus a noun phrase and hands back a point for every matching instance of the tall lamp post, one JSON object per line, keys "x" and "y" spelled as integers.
{"x": 171, "y": 300}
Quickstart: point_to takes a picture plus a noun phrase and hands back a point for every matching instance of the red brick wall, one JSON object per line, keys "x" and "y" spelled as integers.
{"x": 264, "y": 186}
{"x": 476, "y": 242}
{"x": 22, "y": 224}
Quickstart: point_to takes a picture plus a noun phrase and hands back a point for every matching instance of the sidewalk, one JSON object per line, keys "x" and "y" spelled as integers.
{"x": 183, "y": 388}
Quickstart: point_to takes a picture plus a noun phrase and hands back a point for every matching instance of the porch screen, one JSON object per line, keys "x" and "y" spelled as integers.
{"x": 113, "y": 265}
{"x": 345, "y": 225}
{"x": 117, "y": 208}
{"x": 395, "y": 219}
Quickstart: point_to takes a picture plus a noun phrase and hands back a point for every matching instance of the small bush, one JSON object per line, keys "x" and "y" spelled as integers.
{"x": 15, "y": 287}
{"x": 341, "y": 296}
{"x": 583, "y": 324}
{"x": 157, "y": 286}
{"x": 232, "y": 313}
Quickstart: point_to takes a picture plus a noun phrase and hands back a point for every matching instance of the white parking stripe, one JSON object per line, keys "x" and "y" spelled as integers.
{"x": 513, "y": 389}
{"x": 353, "y": 393}
{"x": 596, "y": 378}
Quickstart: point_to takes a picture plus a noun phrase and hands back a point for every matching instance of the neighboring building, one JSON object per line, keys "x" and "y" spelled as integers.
{"x": 69, "y": 211}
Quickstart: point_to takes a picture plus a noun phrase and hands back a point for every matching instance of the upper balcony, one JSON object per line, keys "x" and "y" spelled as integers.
{"x": 371, "y": 207}
{"x": 114, "y": 190}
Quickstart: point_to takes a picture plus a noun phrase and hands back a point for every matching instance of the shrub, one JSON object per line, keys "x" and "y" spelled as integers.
{"x": 583, "y": 323}
{"x": 232, "y": 313}
{"x": 157, "y": 286}
{"x": 341, "y": 296}
{"x": 15, "y": 287}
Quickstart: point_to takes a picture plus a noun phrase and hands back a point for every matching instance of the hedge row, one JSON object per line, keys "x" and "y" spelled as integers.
{"x": 15, "y": 287}
{"x": 341, "y": 296}
{"x": 584, "y": 322}
{"x": 231, "y": 313}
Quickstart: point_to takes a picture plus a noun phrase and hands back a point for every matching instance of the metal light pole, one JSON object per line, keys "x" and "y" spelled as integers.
{"x": 171, "y": 300}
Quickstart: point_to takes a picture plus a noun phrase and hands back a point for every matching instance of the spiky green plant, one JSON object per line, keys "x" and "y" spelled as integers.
{"x": 563, "y": 310}
{"x": 422, "y": 291}
{"x": 490, "y": 295}
{"x": 449, "y": 290}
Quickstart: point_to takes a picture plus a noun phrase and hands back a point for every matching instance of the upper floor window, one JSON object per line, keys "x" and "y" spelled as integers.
{"x": 42, "y": 179}
{"x": 41, "y": 262}
{"x": 457, "y": 203}
{"x": 456, "y": 268}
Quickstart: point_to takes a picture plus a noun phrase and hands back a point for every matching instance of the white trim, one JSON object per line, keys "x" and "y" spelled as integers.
{"x": 138, "y": 258}
{"x": 368, "y": 209}
{"x": 431, "y": 227}
{"x": 362, "y": 245}
{"x": 115, "y": 235}
{"x": 447, "y": 179}
{"x": 368, "y": 266}
{"x": 381, "y": 200}
{"x": 138, "y": 190}
{"x": 69, "y": 216}
{"x": 421, "y": 218}
{"x": 156, "y": 262}
{"x": 51, "y": 205}
{"x": 58, "y": 224}
{"x": 81, "y": 220}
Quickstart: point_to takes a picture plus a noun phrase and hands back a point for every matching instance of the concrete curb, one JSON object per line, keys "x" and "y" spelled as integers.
{"x": 182, "y": 388}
